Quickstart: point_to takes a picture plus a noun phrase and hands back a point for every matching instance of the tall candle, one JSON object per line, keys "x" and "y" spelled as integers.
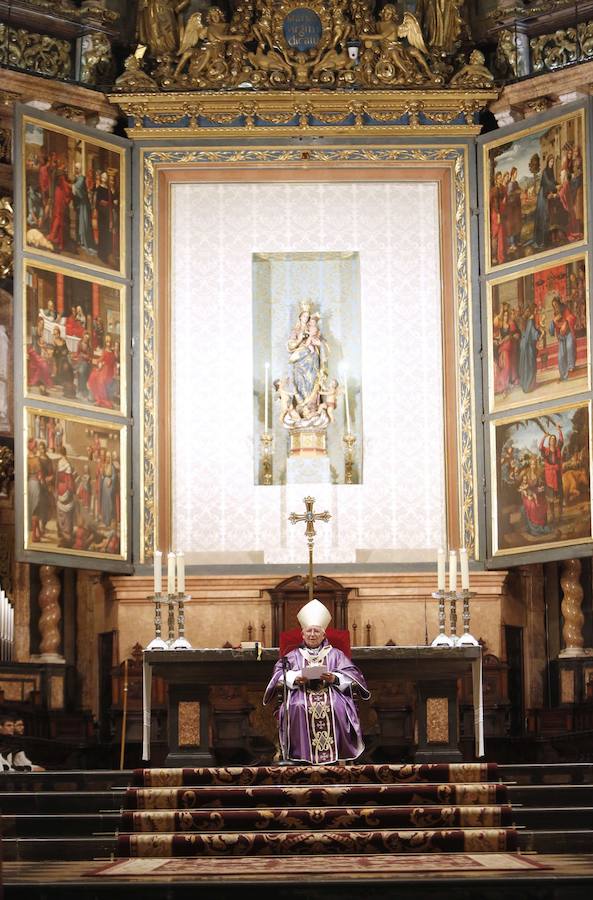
{"x": 347, "y": 405}
{"x": 266, "y": 401}
{"x": 453, "y": 570}
{"x": 171, "y": 573}
{"x": 158, "y": 571}
{"x": 464, "y": 563}
{"x": 180, "y": 572}
{"x": 441, "y": 569}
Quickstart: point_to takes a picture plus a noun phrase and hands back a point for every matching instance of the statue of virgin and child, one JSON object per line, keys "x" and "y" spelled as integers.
{"x": 307, "y": 397}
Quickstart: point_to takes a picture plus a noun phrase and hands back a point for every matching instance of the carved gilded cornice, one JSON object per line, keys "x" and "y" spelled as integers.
{"x": 185, "y": 114}
{"x": 40, "y": 53}
{"x": 93, "y": 12}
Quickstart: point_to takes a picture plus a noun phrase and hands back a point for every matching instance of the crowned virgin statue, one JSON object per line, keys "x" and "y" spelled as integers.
{"x": 307, "y": 397}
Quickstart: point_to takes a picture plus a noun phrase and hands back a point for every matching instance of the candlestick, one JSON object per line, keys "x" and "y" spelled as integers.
{"x": 464, "y": 563}
{"x": 180, "y": 572}
{"x": 158, "y": 572}
{"x": 171, "y": 572}
{"x": 267, "y": 376}
{"x": 348, "y": 429}
{"x": 441, "y": 560}
{"x": 452, "y": 571}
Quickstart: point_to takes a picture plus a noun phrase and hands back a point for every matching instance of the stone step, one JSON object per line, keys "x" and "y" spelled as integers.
{"x": 75, "y": 825}
{"x": 55, "y": 802}
{"x": 71, "y": 780}
{"x": 547, "y": 773}
{"x": 553, "y": 817}
{"x": 59, "y": 848}
{"x": 573, "y": 841}
{"x": 545, "y": 795}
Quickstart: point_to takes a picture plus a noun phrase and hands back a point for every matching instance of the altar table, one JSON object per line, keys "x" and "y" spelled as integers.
{"x": 434, "y": 670}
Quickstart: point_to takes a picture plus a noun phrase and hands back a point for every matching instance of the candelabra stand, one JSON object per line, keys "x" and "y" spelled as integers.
{"x": 181, "y": 642}
{"x": 266, "y": 440}
{"x": 466, "y": 639}
{"x": 157, "y": 643}
{"x": 172, "y": 643}
{"x": 442, "y": 639}
{"x": 453, "y": 596}
{"x": 349, "y": 441}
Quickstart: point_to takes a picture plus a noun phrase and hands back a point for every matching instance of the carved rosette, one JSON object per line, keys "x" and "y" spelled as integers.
{"x": 51, "y": 614}
{"x": 572, "y": 630}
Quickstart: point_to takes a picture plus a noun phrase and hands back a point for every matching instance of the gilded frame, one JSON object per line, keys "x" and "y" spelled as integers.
{"x": 159, "y": 166}
{"x": 565, "y": 548}
{"x": 76, "y": 275}
{"x": 511, "y": 135}
{"x": 91, "y": 558}
{"x": 85, "y": 136}
{"x": 567, "y": 388}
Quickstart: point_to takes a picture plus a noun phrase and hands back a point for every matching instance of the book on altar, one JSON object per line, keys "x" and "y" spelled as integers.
{"x": 313, "y": 673}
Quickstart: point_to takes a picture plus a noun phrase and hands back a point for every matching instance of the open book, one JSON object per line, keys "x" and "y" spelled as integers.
{"x": 313, "y": 673}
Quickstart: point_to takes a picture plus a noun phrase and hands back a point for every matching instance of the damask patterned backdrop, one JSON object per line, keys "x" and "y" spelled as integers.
{"x": 220, "y": 516}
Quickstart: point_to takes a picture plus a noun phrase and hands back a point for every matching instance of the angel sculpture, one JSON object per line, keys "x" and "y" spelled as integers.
{"x": 408, "y": 59}
{"x": 216, "y": 37}
{"x": 194, "y": 32}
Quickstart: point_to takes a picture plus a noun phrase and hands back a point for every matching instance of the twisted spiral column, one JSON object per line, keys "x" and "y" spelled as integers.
{"x": 51, "y": 614}
{"x": 572, "y": 630}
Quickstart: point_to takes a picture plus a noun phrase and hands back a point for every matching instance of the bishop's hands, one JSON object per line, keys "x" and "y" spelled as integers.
{"x": 326, "y": 677}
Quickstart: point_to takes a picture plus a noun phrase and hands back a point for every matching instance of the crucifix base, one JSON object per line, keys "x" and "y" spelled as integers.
{"x": 308, "y": 444}
{"x": 303, "y": 470}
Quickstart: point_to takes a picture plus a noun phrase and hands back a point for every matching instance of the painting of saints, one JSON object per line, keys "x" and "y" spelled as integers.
{"x": 542, "y": 496}
{"x": 539, "y": 347}
{"x": 74, "y": 329}
{"x": 534, "y": 189}
{"x": 73, "y": 500}
{"x": 73, "y": 186}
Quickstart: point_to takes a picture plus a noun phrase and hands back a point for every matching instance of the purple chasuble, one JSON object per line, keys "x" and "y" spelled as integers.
{"x": 322, "y": 724}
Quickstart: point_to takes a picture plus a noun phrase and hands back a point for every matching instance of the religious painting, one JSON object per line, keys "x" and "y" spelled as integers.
{"x": 75, "y": 497}
{"x": 538, "y": 343}
{"x": 542, "y": 480}
{"x": 306, "y": 358}
{"x": 535, "y": 189}
{"x": 74, "y": 329}
{"x": 73, "y": 196}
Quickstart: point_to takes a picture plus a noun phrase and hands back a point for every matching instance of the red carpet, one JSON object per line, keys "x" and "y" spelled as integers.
{"x": 265, "y": 811}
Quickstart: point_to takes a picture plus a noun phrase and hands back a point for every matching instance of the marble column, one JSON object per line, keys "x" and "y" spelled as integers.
{"x": 51, "y": 614}
{"x": 572, "y": 630}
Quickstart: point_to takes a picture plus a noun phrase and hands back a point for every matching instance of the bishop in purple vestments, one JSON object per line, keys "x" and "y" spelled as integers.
{"x": 318, "y": 720}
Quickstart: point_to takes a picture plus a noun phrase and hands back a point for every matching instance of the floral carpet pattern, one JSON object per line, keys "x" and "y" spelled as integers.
{"x": 254, "y": 812}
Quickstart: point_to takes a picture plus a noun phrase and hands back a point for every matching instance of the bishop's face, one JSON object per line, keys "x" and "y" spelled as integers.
{"x": 313, "y": 636}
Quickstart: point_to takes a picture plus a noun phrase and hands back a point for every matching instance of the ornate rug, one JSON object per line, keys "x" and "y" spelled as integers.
{"x": 245, "y": 844}
{"x": 320, "y": 865}
{"x": 431, "y": 794}
{"x": 266, "y": 811}
{"x": 465, "y": 773}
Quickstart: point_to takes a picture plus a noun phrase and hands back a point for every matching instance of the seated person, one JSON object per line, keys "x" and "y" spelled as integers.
{"x": 12, "y": 760}
{"x": 318, "y": 720}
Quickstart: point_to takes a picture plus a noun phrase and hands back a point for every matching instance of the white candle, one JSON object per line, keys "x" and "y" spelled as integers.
{"x": 266, "y": 402}
{"x": 453, "y": 570}
{"x": 464, "y": 563}
{"x": 441, "y": 569}
{"x": 170, "y": 572}
{"x": 180, "y": 572}
{"x": 158, "y": 572}
{"x": 347, "y": 405}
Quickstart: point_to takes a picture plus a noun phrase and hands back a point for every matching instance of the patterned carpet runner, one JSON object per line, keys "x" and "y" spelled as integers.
{"x": 305, "y": 810}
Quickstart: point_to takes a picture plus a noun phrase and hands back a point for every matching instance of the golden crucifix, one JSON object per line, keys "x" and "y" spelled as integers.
{"x": 310, "y": 518}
